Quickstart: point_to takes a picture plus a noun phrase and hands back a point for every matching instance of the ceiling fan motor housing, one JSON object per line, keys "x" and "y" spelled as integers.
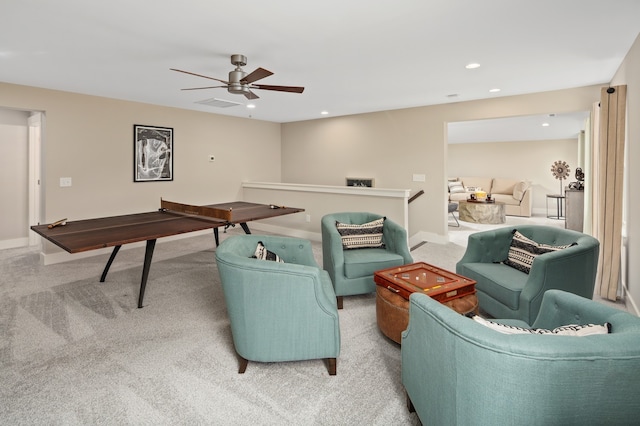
{"x": 235, "y": 85}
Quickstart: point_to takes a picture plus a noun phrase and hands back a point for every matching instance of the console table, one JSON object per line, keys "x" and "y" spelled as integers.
{"x": 574, "y": 210}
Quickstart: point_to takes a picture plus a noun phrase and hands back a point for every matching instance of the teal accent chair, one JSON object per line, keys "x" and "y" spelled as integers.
{"x": 456, "y": 371}
{"x": 278, "y": 311}
{"x": 505, "y": 292}
{"x": 351, "y": 271}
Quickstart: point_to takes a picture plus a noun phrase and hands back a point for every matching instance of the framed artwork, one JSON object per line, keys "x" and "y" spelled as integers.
{"x": 361, "y": 182}
{"x": 152, "y": 153}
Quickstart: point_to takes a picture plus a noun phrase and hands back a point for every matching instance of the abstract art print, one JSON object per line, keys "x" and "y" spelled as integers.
{"x": 153, "y": 153}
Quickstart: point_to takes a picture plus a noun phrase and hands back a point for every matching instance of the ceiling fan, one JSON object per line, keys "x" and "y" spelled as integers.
{"x": 241, "y": 83}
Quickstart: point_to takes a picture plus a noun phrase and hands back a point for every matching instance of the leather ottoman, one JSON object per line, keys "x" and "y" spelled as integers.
{"x": 392, "y": 311}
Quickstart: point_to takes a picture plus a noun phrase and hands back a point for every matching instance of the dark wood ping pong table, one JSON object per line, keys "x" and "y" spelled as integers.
{"x": 171, "y": 219}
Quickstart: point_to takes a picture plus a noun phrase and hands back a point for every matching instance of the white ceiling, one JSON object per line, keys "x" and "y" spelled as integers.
{"x": 352, "y": 56}
{"x": 550, "y": 126}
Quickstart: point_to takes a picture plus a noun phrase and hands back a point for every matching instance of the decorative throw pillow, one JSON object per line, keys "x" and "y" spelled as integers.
{"x": 263, "y": 254}
{"x": 367, "y": 235}
{"x": 455, "y": 187}
{"x": 523, "y": 251}
{"x": 565, "y": 330}
{"x": 473, "y": 188}
{"x": 519, "y": 189}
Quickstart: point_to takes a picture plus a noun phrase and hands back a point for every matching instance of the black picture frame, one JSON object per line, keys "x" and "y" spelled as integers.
{"x": 152, "y": 153}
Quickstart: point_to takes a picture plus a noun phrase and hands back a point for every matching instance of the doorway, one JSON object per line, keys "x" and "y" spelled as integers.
{"x": 21, "y": 142}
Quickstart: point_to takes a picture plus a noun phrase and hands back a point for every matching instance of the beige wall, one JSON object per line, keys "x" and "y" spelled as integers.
{"x": 391, "y": 146}
{"x": 90, "y": 139}
{"x": 13, "y": 177}
{"x": 525, "y": 160}
{"x": 629, "y": 74}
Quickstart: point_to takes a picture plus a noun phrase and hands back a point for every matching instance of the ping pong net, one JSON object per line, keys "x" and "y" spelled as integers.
{"x": 207, "y": 211}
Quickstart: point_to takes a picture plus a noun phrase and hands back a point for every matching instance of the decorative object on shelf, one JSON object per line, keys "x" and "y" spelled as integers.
{"x": 579, "y": 185}
{"x": 560, "y": 170}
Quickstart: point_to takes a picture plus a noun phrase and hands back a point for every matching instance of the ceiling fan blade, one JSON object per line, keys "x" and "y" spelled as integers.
{"x": 292, "y": 89}
{"x": 256, "y": 75}
{"x": 200, "y": 75}
{"x": 251, "y": 95}
{"x": 208, "y": 87}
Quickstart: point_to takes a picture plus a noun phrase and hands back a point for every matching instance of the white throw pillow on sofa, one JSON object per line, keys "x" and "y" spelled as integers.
{"x": 519, "y": 190}
{"x": 455, "y": 187}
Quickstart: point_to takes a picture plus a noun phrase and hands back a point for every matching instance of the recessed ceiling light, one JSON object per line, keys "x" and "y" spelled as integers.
{"x": 472, "y": 66}
{"x": 324, "y": 112}
{"x": 545, "y": 124}
{"x": 251, "y": 106}
{"x": 495, "y": 90}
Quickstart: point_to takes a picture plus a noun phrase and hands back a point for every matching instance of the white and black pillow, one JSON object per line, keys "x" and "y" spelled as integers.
{"x": 366, "y": 235}
{"x": 455, "y": 187}
{"x": 565, "y": 330}
{"x": 523, "y": 251}
{"x": 263, "y": 254}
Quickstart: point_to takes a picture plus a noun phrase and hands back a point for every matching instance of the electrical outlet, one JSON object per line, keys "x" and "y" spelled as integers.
{"x": 65, "y": 181}
{"x": 419, "y": 178}
{"x": 212, "y": 158}
{"x": 308, "y": 218}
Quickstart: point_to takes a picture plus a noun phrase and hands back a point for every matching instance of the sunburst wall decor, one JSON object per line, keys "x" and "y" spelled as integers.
{"x": 560, "y": 170}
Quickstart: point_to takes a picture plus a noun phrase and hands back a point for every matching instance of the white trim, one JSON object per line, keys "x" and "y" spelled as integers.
{"x": 330, "y": 189}
{"x": 14, "y": 243}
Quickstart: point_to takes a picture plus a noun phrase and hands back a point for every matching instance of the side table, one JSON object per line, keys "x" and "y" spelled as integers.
{"x": 559, "y": 206}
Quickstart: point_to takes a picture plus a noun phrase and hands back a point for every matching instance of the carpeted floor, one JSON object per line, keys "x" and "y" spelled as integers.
{"x": 76, "y": 351}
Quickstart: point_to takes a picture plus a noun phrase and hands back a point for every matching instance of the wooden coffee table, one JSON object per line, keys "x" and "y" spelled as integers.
{"x": 395, "y": 285}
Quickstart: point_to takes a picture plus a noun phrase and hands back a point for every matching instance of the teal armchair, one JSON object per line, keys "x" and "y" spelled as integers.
{"x": 505, "y": 292}
{"x": 278, "y": 311}
{"x": 351, "y": 271}
{"x": 458, "y": 372}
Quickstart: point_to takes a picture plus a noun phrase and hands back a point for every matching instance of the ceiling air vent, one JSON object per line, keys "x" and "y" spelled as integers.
{"x": 218, "y": 103}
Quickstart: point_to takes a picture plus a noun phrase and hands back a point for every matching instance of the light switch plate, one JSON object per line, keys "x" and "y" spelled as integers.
{"x": 419, "y": 178}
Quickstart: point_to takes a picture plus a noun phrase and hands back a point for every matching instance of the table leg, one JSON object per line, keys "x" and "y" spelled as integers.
{"x": 148, "y": 254}
{"x": 245, "y": 227}
{"x": 106, "y": 268}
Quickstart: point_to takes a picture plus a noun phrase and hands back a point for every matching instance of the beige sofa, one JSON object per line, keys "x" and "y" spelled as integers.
{"x": 516, "y": 194}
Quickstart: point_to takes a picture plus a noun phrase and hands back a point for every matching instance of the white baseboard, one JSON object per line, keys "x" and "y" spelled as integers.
{"x": 429, "y": 237}
{"x": 14, "y": 243}
{"x": 280, "y": 230}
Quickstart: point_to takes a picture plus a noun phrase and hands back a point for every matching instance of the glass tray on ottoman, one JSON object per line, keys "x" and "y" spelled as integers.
{"x": 435, "y": 282}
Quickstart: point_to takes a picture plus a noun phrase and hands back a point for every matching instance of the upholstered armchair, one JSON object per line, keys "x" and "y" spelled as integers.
{"x": 352, "y": 270}
{"x": 457, "y": 371}
{"x": 278, "y": 311}
{"x": 506, "y": 292}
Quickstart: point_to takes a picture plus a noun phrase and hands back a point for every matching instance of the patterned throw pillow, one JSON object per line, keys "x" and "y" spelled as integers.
{"x": 565, "y": 330}
{"x": 367, "y": 235}
{"x": 523, "y": 251}
{"x": 263, "y": 254}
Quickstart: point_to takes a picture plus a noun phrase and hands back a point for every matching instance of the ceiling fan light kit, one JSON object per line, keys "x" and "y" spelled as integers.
{"x": 241, "y": 83}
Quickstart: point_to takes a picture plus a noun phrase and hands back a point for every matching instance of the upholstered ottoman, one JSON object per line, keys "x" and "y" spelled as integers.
{"x": 392, "y": 311}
